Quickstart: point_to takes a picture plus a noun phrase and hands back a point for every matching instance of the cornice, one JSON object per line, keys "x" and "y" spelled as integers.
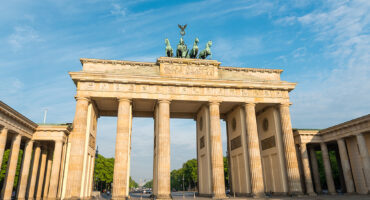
{"x": 347, "y": 124}
{"x": 17, "y": 116}
{"x": 116, "y": 62}
{"x": 245, "y": 69}
{"x": 55, "y": 127}
{"x": 174, "y": 81}
{"x": 187, "y": 61}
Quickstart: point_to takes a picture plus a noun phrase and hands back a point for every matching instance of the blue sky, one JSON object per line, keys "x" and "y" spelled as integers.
{"x": 324, "y": 46}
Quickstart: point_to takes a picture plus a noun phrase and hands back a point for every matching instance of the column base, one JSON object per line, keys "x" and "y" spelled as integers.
{"x": 220, "y": 196}
{"x": 312, "y": 194}
{"x": 259, "y": 195}
{"x": 120, "y": 198}
{"x": 162, "y": 197}
{"x": 204, "y": 195}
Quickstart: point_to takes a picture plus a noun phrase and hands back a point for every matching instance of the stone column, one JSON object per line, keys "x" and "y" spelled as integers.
{"x": 163, "y": 150}
{"x": 327, "y": 166}
{"x": 35, "y": 168}
{"x": 55, "y": 170}
{"x": 91, "y": 175}
{"x": 365, "y": 158}
{"x": 306, "y": 169}
{"x": 289, "y": 150}
{"x": 40, "y": 181}
{"x": 48, "y": 171}
{"x": 62, "y": 170}
{"x": 217, "y": 163}
{"x": 3, "y": 136}
{"x": 7, "y": 190}
{"x": 254, "y": 150}
{"x": 77, "y": 140}
{"x": 315, "y": 170}
{"x": 25, "y": 169}
{"x": 345, "y": 166}
{"x": 121, "y": 168}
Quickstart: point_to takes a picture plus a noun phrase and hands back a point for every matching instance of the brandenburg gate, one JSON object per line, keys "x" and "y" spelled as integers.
{"x": 253, "y": 102}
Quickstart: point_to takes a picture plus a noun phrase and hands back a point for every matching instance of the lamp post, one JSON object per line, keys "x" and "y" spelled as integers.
{"x": 183, "y": 184}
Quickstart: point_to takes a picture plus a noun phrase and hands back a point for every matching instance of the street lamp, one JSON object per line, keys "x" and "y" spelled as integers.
{"x": 183, "y": 185}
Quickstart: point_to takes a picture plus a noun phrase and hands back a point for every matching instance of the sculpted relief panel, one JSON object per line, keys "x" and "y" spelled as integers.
{"x": 181, "y": 90}
{"x": 194, "y": 71}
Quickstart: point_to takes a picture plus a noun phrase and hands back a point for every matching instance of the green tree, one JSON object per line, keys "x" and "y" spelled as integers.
{"x": 190, "y": 171}
{"x": 4, "y": 167}
{"x": 133, "y": 184}
{"x": 103, "y": 173}
{"x": 149, "y": 184}
{"x": 226, "y": 172}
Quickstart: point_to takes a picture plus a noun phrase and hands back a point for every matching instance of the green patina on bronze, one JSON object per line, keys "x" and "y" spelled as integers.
{"x": 207, "y": 51}
{"x": 182, "y": 49}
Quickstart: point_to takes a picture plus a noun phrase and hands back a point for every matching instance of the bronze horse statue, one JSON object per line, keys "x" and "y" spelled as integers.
{"x": 169, "y": 51}
{"x": 194, "y": 51}
{"x": 207, "y": 51}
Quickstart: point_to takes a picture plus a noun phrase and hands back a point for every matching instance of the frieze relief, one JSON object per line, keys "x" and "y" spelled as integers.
{"x": 198, "y": 71}
{"x": 182, "y": 90}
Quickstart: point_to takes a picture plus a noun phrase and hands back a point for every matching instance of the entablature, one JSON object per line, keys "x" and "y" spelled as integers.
{"x": 181, "y": 68}
{"x": 16, "y": 122}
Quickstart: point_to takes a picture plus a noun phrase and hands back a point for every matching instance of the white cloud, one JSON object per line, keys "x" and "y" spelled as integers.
{"x": 23, "y": 35}
{"x": 345, "y": 92}
{"x": 117, "y": 9}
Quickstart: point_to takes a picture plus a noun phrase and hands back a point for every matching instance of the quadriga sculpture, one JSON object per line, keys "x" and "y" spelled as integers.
{"x": 182, "y": 49}
{"x": 207, "y": 51}
{"x": 194, "y": 51}
{"x": 169, "y": 51}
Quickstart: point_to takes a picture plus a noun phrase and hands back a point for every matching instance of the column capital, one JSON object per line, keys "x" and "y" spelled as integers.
{"x": 340, "y": 139}
{"x": 124, "y": 99}
{"x": 82, "y": 98}
{"x": 164, "y": 100}
{"x": 4, "y": 129}
{"x": 250, "y": 104}
{"x": 359, "y": 135}
{"x": 59, "y": 141}
{"x": 214, "y": 102}
{"x": 303, "y": 144}
{"x": 285, "y": 104}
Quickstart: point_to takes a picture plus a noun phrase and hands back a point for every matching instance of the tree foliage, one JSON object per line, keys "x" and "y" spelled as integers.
{"x": 133, "y": 184}
{"x": 149, "y": 184}
{"x": 334, "y": 168}
{"x": 4, "y": 167}
{"x": 103, "y": 173}
{"x": 187, "y": 176}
